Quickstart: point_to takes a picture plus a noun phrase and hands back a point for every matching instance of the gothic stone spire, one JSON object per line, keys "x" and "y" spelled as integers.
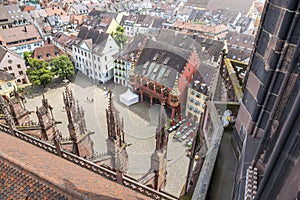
{"x": 161, "y": 134}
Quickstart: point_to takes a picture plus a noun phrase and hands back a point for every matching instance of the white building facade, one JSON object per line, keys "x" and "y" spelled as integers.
{"x": 95, "y": 58}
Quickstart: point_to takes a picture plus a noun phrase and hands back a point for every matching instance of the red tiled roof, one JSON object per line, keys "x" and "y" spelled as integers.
{"x": 28, "y": 8}
{"x": 47, "y": 52}
{"x": 58, "y": 172}
{"x": 20, "y": 33}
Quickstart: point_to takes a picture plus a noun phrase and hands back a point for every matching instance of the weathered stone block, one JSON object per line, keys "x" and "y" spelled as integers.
{"x": 263, "y": 41}
{"x": 278, "y": 85}
{"x": 296, "y": 33}
{"x": 270, "y": 104}
{"x": 264, "y": 120}
{"x": 258, "y": 67}
{"x": 288, "y": 4}
{"x": 273, "y": 59}
{"x": 272, "y": 19}
{"x": 249, "y": 102}
{"x": 285, "y": 24}
{"x": 253, "y": 84}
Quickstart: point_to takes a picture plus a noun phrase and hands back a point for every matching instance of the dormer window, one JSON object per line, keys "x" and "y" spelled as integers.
{"x": 56, "y": 53}
{"x": 48, "y": 55}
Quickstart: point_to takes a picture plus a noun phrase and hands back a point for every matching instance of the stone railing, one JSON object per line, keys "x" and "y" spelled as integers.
{"x": 101, "y": 170}
{"x": 205, "y": 175}
{"x": 98, "y": 156}
{"x": 153, "y": 194}
{"x": 146, "y": 177}
{"x": 30, "y": 139}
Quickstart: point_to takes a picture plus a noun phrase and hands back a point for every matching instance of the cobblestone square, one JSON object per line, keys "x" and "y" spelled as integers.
{"x": 140, "y": 121}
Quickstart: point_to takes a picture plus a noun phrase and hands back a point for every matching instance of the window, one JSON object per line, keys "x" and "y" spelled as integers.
{"x": 174, "y": 99}
{"x": 19, "y": 66}
{"x": 9, "y": 68}
{"x": 9, "y": 84}
{"x": 13, "y": 74}
{"x": 151, "y": 86}
{"x": 40, "y": 56}
{"x": 56, "y": 53}
{"x": 158, "y": 89}
{"x": 105, "y": 58}
{"x": 21, "y": 72}
{"x": 5, "y": 68}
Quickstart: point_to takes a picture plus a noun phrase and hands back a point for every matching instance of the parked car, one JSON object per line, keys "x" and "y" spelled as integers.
{"x": 185, "y": 128}
{"x": 189, "y": 143}
{"x": 183, "y": 137}
{"x": 170, "y": 130}
{"x": 174, "y": 127}
{"x": 178, "y": 133}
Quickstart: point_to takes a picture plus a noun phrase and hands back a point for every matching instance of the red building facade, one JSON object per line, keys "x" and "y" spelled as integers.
{"x": 163, "y": 74}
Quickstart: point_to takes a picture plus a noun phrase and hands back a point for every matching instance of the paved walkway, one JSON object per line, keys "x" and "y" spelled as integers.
{"x": 140, "y": 122}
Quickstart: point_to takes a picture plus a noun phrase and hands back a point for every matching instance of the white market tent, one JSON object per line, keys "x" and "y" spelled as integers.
{"x": 129, "y": 98}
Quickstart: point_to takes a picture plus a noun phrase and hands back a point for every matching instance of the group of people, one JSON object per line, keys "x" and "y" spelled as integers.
{"x": 90, "y": 100}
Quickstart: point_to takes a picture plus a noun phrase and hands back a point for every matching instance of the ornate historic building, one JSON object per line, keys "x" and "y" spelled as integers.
{"x": 162, "y": 73}
{"x": 268, "y": 124}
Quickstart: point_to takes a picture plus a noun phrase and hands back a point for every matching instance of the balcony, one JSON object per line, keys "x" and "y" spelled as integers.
{"x": 153, "y": 93}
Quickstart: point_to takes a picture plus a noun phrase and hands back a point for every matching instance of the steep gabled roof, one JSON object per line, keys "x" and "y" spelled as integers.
{"x": 162, "y": 62}
{"x": 47, "y": 52}
{"x": 4, "y": 50}
{"x": 98, "y": 38}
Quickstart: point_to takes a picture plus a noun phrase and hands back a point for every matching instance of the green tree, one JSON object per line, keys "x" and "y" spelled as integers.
{"x": 26, "y": 56}
{"x": 62, "y": 66}
{"x": 119, "y": 36}
{"x": 39, "y": 72}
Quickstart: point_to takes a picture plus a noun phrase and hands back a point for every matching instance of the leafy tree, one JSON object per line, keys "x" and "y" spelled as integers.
{"x": 62, "y": 66}
{"x": 39, "y": 73}
{"x": 119, "y": 36}
{"x": 26, "y": 56}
